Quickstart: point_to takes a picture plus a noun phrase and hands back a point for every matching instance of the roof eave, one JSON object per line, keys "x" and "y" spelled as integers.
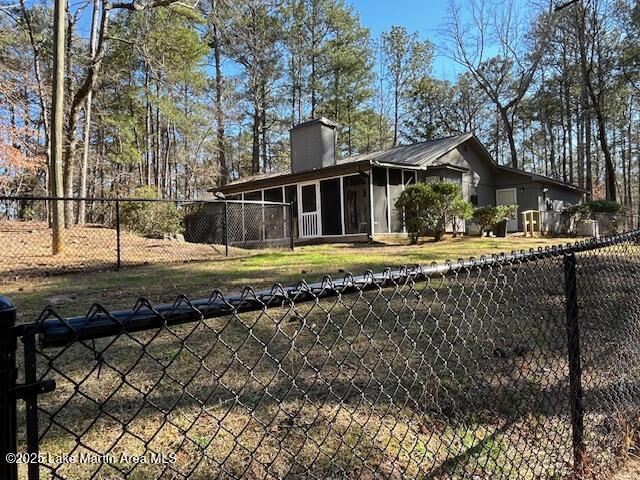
{"x": 282, "y": 179}
{"x": 542, "y": 178}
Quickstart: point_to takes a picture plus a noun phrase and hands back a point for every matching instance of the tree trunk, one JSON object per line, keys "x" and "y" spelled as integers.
{"x": 314, "y": 60}
{"x": 580, "y": 153}
{"x": 595, "y": 104}
{"x": 57, "y": 123}
{"x": 223, "y": 175}
{"x": 396, "y": 102}
{"x": 87, "y": 119}
{"x": 263, "y": 128}
{"x": 44, "y": 113}
{"x": 623, "y": 159}
{"x": 508, "y": 126}
{"x": 71, "y": 140}
{"x": 255, "y": 144}
{"x": 567, "y": 99}
{"x": 610, "y": 174}
{"x": 588, "y": 161}
{"x": 147, "y": 127}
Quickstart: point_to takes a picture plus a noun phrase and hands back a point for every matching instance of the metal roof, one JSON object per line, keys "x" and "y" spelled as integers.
{"x": 417, "y": 154}
{"x": 420, "y": 155}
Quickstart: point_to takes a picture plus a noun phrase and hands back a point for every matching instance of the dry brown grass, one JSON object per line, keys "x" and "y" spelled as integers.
{"x": 400, "y": 384}
{"x": 74, "y": 292}
{"x": 464, "y": 379}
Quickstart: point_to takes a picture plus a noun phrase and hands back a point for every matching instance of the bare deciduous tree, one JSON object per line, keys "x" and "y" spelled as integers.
{"x": 501, "y": 53}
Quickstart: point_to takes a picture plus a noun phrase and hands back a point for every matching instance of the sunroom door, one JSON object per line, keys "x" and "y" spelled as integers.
{"x": 309, "y": 210}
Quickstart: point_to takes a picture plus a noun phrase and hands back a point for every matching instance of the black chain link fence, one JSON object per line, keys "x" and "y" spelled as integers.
{"x": 126, "y": 232}
{"x": 597, "y": 224}
{"x": 513, "y": 367}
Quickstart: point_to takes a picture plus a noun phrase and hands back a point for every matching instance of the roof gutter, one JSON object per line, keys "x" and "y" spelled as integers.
{"x": 375, "y": 163}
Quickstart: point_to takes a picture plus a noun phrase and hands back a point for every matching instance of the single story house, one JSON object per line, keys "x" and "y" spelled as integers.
{"x": 353, "y": 198}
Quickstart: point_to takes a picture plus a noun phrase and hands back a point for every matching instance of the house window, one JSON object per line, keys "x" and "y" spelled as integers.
{"x": 253, "y": 196}
{"x": 330, "y": 203}
{"x": 273, "y": 195}
{"x": 309, "y": 198}
{"x": 381, "y": 224}
{"x": 291, "y": 196}
{"x": 395, "y": 189}
{"x": 473, "y": 195}
{"x": 409, "y": 177}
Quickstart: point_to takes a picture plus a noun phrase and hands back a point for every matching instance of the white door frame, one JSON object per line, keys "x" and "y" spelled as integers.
{"x": 512, "y": 225}
{"x": 318, "y": 206}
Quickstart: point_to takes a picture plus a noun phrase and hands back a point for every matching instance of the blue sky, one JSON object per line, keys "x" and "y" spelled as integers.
{"x": 422, "y": 16}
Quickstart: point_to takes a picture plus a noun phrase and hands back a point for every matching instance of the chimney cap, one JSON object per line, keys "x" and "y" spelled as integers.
{"x": 322, "y": 121}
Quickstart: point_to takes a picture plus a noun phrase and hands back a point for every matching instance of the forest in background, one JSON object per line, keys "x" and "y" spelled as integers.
{"x": 181, "y": 96}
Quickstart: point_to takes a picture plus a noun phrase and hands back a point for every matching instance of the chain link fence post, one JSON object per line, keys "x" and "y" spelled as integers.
{"x": 575, "y": 368}
{"x": 291, "y": 224}
{"x": 226, "y": 229}
{"x": 118, "y": 259}
{"x": 8, "y": 375}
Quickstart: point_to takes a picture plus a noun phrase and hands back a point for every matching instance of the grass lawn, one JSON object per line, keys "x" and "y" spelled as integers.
{"x": 73, "y": 294}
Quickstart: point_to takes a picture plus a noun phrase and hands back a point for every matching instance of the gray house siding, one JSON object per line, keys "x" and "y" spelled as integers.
{"x": 562, "y": 198}
{"x": 479, "y": 180}
{"x": 312, "y": 147}
{"x": 531, "y": 195}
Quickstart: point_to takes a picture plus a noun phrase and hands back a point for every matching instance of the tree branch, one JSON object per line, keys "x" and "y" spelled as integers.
{"x": 145, "y": 4}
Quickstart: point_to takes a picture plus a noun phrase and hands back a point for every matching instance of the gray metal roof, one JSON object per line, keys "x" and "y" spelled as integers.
{"x": 423, "y": 154}
{"x": 417, "y": 154}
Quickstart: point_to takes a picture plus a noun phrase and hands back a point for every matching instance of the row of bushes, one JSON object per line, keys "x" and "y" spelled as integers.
{"x": 150, "y": 219}
{"x": 430, "y": 207}
{"x": 585, "y": 211}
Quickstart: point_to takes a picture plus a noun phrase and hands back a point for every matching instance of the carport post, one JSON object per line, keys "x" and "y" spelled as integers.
{"x": 8, "y": 375}
{"x": 575, "y": 369}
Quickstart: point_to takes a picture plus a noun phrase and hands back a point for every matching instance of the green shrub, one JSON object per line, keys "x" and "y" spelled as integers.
{"x": 462, "y": 210}
{"x": 487, "y": 217}
{"x": 581, "y": 211}
{"x": 431, "y": 207}
{"x": 150, "y": 219}
{"x": 604, "y": 206}
{"x": 585, "y": 211}
{"x": 412, "y": 201}
{"x": 506, "y": 212}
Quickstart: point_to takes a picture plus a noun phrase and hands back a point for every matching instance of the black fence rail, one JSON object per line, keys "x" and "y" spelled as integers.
{"x": 104, "y": 233}
{"x": 517, "y": 366}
